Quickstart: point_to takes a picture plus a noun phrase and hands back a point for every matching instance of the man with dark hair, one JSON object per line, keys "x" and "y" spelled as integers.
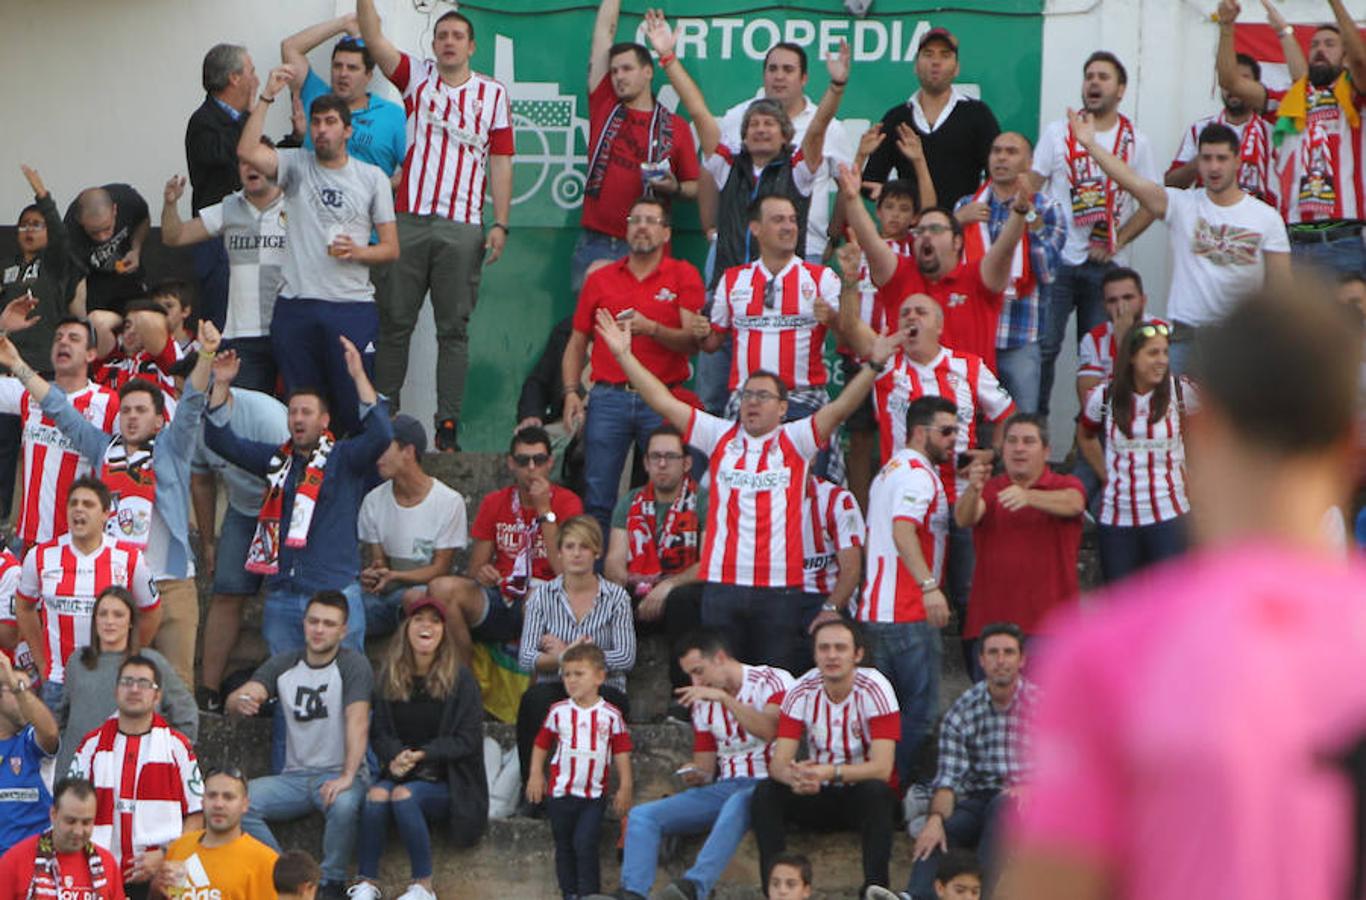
{"x": 333, "y": 202}
{"x": 635, "y": 145}
{"x": 378, "y": 127}
{"x": 323, "y": 692}
{"x": 955, "y": 130}
{"x": 1104, "y": 218}
{"x": 441, "y": 203}
{"x": 663, "y": 298}
{"x": 305, "y": 539}
{"x": 1224, "y": 242}
{"x": 221, "y": 861}
{"x": 63, "y": 861}
{"x": 1276, "y": 430}
{"x": 107, "y": 227}
{"x": 1125, "y": 305}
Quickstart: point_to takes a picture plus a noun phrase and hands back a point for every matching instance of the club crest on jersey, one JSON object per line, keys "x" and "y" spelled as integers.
{"x": 808, "y": 292}
{"x": 133, "y": 522}
{"x": 477, "y": 106}
{"x": 666, "y": 296}
{"x": 956, "y": 300}
{"x": 16, "y": 764}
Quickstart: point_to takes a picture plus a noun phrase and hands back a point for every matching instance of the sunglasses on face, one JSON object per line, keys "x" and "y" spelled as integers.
{"x": 523, "y": 460}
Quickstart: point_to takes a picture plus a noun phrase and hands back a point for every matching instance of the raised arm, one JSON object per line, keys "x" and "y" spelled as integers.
{"x": 829, "y": 417}
{"x": 663, "y": 39}
{"x": 250, "y": 150}
{"x": 604, "y": 33}
{"x": 382, "y": 50}
{"x": 1231, "y": 78}
{"x": 174, "y": 231}
{"x": 996, "y": 261}
{"x": 813, "y": 143}
{"x": 1150, "y": 195}
{"x": 1295, "y": 62}
{"x": 294, "y": 49}
{"x": 652, "y": 390}
{"x": 1354, "y": 48}
{"x": 882, "y": 260}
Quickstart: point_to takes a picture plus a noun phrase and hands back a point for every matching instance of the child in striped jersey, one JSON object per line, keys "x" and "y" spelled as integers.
{"x": 590, "y": 737}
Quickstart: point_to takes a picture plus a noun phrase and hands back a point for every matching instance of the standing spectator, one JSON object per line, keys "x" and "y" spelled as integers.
{"x": 63, "y": 858}
{"x": 107, "y": 227}
{"x": 409, "y": 527}
{"x": 251, "y": 223}
{"x": 849, "y": 718}
{"x": 663, "y": 298}
{"x": 1240, "y": 82}
{"x": 90, "y": 685}
{"x": 734, "y": 720}
{"x": 28, "y": 740}
{"x": 636, "y": 145}
{"x": 145, "y": 776}
{"x": 983, "y": 215}
{"x": 1142, "y": 414}
{"x": 378, "y": 127}
{"x": 428, "y": 736}
{"x": 982, "y": 769}
{"x": 902, "y": 605}
{"x": 1105, "y": 219}
{"x": 1125, "y": 305}
{"x": 137, "y": 345}
{"x": 221, "y": 861}
{"x": 333, "y": 203}
{"x": 833, "y": 535}
{"x": 1026, "y": 526}
{"x": 1225, "y": 243}
{"x": 441, "y": 202}
{"x": 66, "y": 575}
{"x": 1256, "y": 150}
{"x": 211, "y": 135}
{"x": 11, "y": 645}
{"x": 253, "y": 416}
{"x": 324, "y": 694}
{"x": 590, "y": 737}
{"x": 146, "y": 467}
{"x": 305, "y": 539}
{"x": 956, "y": 131}
{"x": 578, "y": 607}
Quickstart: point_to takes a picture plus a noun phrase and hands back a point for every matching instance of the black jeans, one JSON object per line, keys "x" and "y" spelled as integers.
{"x": 682, "y": 614}
{"x": 536, "y": 702}
{"x": 577, "y": 826}
{"x": 865, "y": 807}
{"x": 11, "y": 434}
{"x": 766, "y": 625}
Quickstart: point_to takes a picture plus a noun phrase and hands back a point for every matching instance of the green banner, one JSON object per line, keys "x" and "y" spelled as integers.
{"x": 539, "y": 48}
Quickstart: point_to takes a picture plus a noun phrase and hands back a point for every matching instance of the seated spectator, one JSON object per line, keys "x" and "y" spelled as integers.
{"x": 590, "y": 737}
{"x": 108, "y": 226}
{"x": 146, "y": 776}
{"x": 516, "y": 546}
{"x": 28, "y": 739}
{"x": 63, "y": 858}
{"x": 1125, "y": 304}
{"x": 734, "y": 719}
{"x": 409, "y": 527}
{"x": 577, "y": 607}
{"x": 1026, "y": 530}
{"x": 981, "y": 763}
{"x": 297, "y": 876}
{"x": 428, "y": 736}
{"x": 324, "y": 695}
{"x": 849, "y": 718}
{"x": 305, "y": 539}
{"x": 791, "y": 878}
{"x": 221, "y": 862}
{"x": 656, "y": 542}
{"x": 88, "y": 694}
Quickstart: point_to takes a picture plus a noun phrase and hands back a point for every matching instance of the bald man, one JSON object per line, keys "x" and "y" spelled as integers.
{"x": 108, "y": 226}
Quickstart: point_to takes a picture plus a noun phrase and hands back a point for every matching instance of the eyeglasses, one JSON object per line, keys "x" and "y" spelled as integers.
{"x": 144, "y": 684}
{"x": 41, "y": 226}
{"x": 645, "y": 220}
{"x": 771, "y": 294}
{"x": 1153, "y": 330}
{"x": 930, "y": 230}
{"x": 758, "y": 396}
{"x": 522, "y": 460}
{"x": 662, "y": 458}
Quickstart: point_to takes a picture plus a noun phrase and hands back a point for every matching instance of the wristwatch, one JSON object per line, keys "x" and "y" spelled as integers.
{"x": 838, "y": 777}
{"x": 1287, "y": 31}
{"x": 550, "y": 517}
{"x": 929, "y": 584}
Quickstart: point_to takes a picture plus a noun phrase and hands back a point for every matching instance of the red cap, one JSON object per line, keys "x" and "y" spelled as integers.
{"x": 423, "y": 601}
{"x": 938, "y": 34}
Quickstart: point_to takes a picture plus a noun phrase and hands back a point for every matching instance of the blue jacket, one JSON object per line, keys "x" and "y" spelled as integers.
{"x": 330, "y": 560}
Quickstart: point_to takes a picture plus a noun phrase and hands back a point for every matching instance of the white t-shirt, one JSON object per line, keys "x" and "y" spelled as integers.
{"x": 411, "y": 535}
{"x": 1218, "y": 252}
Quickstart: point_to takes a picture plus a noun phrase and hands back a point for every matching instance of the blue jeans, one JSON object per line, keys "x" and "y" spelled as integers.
{"x": 384, "y": 611}
{"x": 1341, "y": 255}
{"x": 230, "y": 576}
{"x": 974, "y": 822}
{"x": 429, "y": 800}
{"x": 296, "y": 794}
{"x": 305, "y": 335}
{"x": 1019, "y": 370}
{"x": 910, "y": 655}
{"x": 258, "y": 371}
{"x": 211, "y": 269}
{"x": 1125, "y": 549}
{"x": 711, "y": 377}
{"x": 616, "y": 419}
{"x": 588, "y": 249}
{"x": 1073, "y": 287}
{"x": 721, "y": 809}
{"x": 766, "y": 626}
{"x": 50, "y": 692}
{"x": 577, "y": 825}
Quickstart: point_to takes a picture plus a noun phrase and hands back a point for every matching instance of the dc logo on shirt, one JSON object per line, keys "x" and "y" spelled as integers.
{"x": 331, "y": 197}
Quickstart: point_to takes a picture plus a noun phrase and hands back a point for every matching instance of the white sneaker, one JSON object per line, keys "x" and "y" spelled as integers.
{"x": 417, "y": 892}
{"x": 877, "y": 892}
{"x": 364, "y": 890}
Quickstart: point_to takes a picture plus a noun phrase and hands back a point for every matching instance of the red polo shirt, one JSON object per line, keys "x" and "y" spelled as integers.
{"x": 971, "y": 309}
{"x": 672, "y": 286}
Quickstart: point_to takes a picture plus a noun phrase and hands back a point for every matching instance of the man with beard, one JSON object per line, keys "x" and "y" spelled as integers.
{"x": 1255, "y": 164}
{"x": 221, "y": 858}
{"x": 333, "y": 202}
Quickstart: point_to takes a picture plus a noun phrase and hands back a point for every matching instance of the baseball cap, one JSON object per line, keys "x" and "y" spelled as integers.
{"x": 410, "y": 433}
{"x": 938, "y": 34}
{"x": 412, "y": 605}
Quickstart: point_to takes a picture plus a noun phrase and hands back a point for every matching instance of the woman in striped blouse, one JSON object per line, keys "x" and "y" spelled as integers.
{"x": 578, "y": 606}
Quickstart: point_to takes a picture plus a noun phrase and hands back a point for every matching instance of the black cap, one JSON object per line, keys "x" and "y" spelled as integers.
{"x": 938, "y": 34}
{"x": 410, "y": 433}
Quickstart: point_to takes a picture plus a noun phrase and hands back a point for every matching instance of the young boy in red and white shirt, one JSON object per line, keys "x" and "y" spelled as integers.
{"x": 589, "y": 735}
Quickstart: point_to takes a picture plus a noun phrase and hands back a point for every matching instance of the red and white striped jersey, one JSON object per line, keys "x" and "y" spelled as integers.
{"x": 119, "y": 368}
{"x": 65, "y": 584}
{"x": 955, "y": 375}
{"x": 10, "y": 568}
{"x": 145, "y": 786}
{"x": 1096, "y": 352}
{"x": 908, "y": 489}
{"x": 758, "y": 488}
{"x": 451, "y": 132}
{"x": 775, "y": 326}
{"x": 833, "y": 522}
{"x": 51, "y": 461}
{"x": 1146, "y": 472}
{"x": 715, "y": 729}
{"x": 841, "y": 732}
{"x": 869, "y": 310}
{"x": 585, "y": 741}
{"x": 1318, "y": 168}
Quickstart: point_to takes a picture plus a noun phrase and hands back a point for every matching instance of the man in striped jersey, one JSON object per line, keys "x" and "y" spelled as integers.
{"x": 833, "y": 535}
{"x": 734, "y": 719}
{"x": 459, "y": 141}
{"x": 849, "y": 717}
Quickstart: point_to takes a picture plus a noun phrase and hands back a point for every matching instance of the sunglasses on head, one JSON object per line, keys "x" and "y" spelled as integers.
{"x": 1153, "y": 329}
{"x": 522, "y": 460}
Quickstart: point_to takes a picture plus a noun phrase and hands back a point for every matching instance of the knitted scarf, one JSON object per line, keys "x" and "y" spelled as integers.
{"x": 661, "y": 143}
{"x": 46, "y": 877}
{"x": 676, "y": 546}
{"x": 132, "y": 479}
{"x": 263, "y": 556}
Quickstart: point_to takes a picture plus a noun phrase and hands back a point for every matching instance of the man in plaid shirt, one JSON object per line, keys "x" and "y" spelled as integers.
{"x": 981, "y": 753}
{"x": 983, "y": 214}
